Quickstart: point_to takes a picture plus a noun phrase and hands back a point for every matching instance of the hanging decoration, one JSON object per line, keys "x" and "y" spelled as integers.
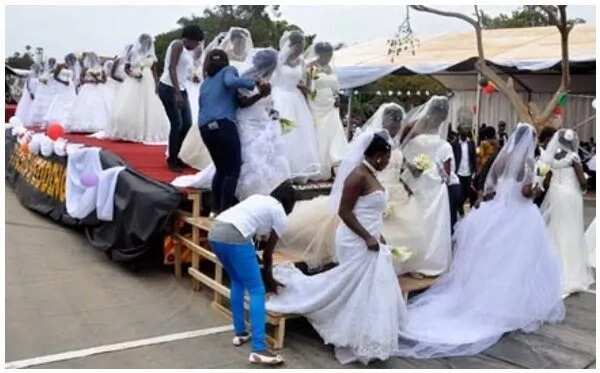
{"x": 404, "y": 39}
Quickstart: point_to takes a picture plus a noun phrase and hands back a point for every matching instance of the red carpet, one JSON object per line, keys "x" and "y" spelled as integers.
{"x": 146, "y": 159}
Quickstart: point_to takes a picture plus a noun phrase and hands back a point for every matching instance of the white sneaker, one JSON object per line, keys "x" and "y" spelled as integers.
{"x": 265, "y": 357}
{"x": 239, "y": 340}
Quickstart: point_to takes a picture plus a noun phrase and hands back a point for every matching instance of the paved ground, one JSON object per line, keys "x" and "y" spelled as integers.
{"x": 62, "y": 295}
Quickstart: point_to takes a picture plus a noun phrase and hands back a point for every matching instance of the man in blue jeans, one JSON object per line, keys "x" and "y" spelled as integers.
{"x": 231, "y": 239}
{"x": 172, "y": 93}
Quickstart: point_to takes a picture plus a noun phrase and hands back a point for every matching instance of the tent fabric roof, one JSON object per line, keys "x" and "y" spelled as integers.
{"x": 531, "y": 48}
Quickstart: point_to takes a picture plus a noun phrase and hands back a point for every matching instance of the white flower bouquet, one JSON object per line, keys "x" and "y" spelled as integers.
{"x": 541, "y": 170}
{"x": 422, "y": 162}
{"x": 286, "y": 125}
{"x": 401, "y": 253}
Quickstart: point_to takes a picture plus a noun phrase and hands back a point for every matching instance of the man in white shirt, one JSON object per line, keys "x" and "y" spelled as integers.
{"x": 464, "y": 155}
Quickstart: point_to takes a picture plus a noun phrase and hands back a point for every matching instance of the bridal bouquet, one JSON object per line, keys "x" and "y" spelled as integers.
{"x": 286, "y": 125}
{"x": 402, "y": 253}
{"x": 541, "y": 170}
{"x": 422, "y": 162}
{"x": 313, "y": 74}
{"x": 389, "y": 210}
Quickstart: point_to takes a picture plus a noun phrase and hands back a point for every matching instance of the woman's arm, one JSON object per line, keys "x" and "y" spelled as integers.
{"x": 353, "y": 188}
{"x": 270, "y": 283}
{"x": 579, "y": 173}
{"x": 246, "y": 101}
{"x": 113, "y": 71}
{"x": 57, "y": 78}
{"x": 233, "y": 81}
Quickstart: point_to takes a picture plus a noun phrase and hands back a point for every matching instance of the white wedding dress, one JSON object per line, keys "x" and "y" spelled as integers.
{"x": 25, "y": 104}
{"x": 137, "y": 114}
{"x": 300, "y": 143}
{"x": 505, "y": 276}
{"x": 590, "y": 241}
{"x": 44, "y": 94}
{"x": 358, "y": 305}
{"x": 92, "y": 107}
{"x": 63, "y": 100}
{"x": 431, "y": 195}
{"x": 563, "y": 212}
{"x": 329, "y": 128}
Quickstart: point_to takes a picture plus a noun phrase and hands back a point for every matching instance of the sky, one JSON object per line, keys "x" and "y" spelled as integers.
{"x": 107, "y": 29}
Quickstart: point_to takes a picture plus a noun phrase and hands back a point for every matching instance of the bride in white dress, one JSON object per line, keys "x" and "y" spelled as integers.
{"x": 237, "y": 43}
{"x": 91, "y": 110}
{"x": 426, "y": 138}
{"x": 264, "y": 165}
{"x": 563, "y": 209}
{"x": 358, "y": 305}
{"x": 323, "y": 97}
{"x": 505, "y": 274}
{"x": 44, "y": 94}
{"x": 23, "y": 111}
{"x": 300, "y": 137}
{"x": 64, "y": 81}
{"x": 138, "y": 115}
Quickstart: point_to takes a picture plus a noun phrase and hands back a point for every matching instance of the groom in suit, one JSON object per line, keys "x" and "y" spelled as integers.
{"x": 464, "y": 154}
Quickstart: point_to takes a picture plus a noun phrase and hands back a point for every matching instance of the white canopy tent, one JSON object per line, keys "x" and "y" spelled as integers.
{"x": 530, "y": 55}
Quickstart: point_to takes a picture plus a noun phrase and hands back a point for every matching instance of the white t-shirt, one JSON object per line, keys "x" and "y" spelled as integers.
{"x": 444, "y": 154}
{"x": 256, "y": 215}
{"x": 464, "y": 168}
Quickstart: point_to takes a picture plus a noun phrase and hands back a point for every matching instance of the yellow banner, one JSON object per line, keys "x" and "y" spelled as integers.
{"x": 46, "y": 176}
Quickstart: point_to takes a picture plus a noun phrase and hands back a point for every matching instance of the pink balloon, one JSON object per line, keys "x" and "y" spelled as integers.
{"x": 89, "y": 179}
{"x": 55, "y": 130}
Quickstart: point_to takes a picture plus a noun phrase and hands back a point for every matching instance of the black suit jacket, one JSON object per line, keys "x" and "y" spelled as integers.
{"x": 458, "y": 155}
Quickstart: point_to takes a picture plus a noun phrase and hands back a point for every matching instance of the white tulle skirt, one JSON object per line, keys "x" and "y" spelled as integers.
{"x": 300, "y": 144}
{"x": 44, "y": 94}
{"x": 193, "y": 151}
{"x": 264, "y": 165}
{"x": 193, "y": 92}
{"x": 330, "y": 133}
{"x": 505, "y": 276}
{"x": 138, "y": 114}
{"x": 24, "y": 108}
{"x": 62, "y": 104}
{"x": 91, "y": 110}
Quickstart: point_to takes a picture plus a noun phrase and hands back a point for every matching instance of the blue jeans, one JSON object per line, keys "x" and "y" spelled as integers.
{"x": 241, "y": 264}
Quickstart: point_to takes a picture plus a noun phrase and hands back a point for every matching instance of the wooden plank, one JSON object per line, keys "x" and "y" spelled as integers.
{"x": 178, "y": 259}
{"x": 198, "y": 250}
{"x": 568, "y": 336}
{"x": 200, "y": 222}
{"x": 534, "y": 351}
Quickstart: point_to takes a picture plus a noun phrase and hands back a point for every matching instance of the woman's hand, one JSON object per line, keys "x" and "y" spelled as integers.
{"x": 414, "y": 170}
{"x": 302, "y": 87}
{"x": 271, "y": 284}
{"x": 264, "y": 89}
{"x": 372, "y": 244}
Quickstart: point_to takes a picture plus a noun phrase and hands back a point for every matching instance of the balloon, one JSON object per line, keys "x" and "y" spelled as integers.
{"x": 557, "y": 111}
{"x": 483, "y": 82}
{"x": 89, "y": 179}
{"x": 489, "y": 89}
{"x": 55, "y": 130}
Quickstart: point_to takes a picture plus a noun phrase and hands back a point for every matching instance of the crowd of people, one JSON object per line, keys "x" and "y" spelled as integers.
{"x": 254, "y": 119}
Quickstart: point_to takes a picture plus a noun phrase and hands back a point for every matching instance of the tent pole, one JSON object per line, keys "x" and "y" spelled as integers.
{"x": 349, "y": 117}
{"x": 477, "y": 109}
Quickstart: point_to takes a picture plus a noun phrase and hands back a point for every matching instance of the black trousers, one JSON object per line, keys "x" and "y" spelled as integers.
{"x": 466, "y": 192}
{"x": 223, "y": 143}
{"x": 455, "y": 198}
{"x": 180, "y": 118}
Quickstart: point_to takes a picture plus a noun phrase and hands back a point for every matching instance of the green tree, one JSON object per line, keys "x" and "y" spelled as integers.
{"x": 262, "y": 21}
{"x": 524, "y": 16}
{"x": 21, "y": 60}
